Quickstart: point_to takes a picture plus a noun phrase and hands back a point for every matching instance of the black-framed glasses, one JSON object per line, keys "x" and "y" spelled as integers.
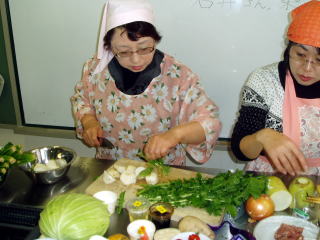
{"x": 141, "y": 51}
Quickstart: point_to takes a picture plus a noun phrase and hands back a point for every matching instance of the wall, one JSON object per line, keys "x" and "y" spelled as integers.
{"x": 7, "y": 113}
{"x": 221, "y": 41}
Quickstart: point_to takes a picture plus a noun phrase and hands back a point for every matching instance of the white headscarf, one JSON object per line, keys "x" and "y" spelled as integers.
{"x": 117, "y": 13}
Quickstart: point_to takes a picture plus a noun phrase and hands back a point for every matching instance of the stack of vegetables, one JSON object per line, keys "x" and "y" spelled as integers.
{"x": 13, "y": 155}
{"x": 226, "y": 191}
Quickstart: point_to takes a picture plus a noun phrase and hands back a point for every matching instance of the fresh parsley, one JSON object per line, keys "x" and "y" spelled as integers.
{"x": 224, "y": 192}
{"x": 157, "y": 164}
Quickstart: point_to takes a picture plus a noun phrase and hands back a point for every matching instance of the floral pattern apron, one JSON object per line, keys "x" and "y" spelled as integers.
{"x": 174, "y": 97}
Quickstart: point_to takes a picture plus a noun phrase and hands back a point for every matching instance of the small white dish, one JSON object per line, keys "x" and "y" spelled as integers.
{"x": 109, "y": 198}
{"x": 134, "y": 226}
{"x": 185, "y": 236}
{"x": 266, "y": 228}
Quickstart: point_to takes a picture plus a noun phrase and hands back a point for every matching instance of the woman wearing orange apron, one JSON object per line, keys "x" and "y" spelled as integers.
{"x": 278, "y": 128}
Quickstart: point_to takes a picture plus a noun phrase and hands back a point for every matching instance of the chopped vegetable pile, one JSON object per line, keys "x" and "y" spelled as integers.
{"x": 157, "y": 164}
{"x": 12, "y": 155}
{"x": 226, "y": 191}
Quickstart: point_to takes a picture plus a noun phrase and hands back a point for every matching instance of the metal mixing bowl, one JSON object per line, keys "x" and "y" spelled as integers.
{"x": 43, "y": 155}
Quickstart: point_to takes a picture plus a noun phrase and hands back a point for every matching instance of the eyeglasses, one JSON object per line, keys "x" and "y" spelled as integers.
{"x": 141, "y": 51}
{"x": 302, "y": 58}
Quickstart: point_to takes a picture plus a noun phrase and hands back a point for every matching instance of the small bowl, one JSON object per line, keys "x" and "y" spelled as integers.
{"x": 43, "y": 155}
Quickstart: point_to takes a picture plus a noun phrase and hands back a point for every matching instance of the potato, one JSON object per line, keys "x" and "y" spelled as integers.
{"x": 194, "y": 224}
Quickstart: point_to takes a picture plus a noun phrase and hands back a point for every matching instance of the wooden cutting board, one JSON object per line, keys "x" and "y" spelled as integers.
{"x": 175, "y": 173}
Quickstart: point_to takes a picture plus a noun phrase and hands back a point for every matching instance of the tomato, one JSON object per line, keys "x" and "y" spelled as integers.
{"x": 193, "y": 237}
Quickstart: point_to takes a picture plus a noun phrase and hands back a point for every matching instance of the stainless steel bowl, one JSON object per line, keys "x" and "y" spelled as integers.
{"x": 43, "y": 155}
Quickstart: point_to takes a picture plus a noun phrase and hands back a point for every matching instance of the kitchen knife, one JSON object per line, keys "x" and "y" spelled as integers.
{"x": 104, "y": 142}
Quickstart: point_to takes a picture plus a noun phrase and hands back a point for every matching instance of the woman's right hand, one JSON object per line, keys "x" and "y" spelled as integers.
{"x": 284, "y": 154}
{"x": 91, "y": 130}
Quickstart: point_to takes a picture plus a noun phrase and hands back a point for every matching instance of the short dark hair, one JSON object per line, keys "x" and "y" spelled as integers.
{"x": 134, "y": 30}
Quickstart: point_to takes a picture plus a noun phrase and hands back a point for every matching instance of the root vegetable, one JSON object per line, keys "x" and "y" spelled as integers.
{"x": 128, "y": 178}
{"x": 120, "y": 168}
{"x": 260, "y": 208}
{"x": 194, "y": 224}
{"x": 166, "y": 234}
{"x": 131, "y": 168}
{"x": 107, "y": 178}
{"x": 278, "y": 193}
{"x": 113, "y": 172}
{"x": 152, "y": 178}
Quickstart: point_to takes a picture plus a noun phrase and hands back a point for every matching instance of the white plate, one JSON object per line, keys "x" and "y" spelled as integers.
{"x": 267, "y": 227}
{"x": 185, "y": 235}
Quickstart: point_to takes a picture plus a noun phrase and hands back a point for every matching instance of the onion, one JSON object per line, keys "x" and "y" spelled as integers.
{"x": 260, "y": 208}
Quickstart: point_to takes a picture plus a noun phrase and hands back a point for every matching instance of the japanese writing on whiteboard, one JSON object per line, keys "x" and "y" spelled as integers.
{"x": 286, "y": 5}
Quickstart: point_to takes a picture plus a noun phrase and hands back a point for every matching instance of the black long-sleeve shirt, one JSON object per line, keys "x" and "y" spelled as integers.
{"x": 256, "y": 111}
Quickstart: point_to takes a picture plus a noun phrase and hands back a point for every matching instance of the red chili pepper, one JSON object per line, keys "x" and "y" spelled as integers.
{"x": 194, "y": 237}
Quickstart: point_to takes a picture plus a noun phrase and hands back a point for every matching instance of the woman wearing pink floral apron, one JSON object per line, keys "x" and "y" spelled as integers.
{"x": 140, "y": 98}
{"x": 278, "y": 128}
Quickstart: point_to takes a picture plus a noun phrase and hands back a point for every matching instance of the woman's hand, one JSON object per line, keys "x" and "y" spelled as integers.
{"x": 91, "y": 130}
{"x": 159, "y": 145}
{"x": 284, "y": 154}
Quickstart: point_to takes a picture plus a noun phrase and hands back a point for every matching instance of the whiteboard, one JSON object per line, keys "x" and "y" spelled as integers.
{"x": 220, "y": 40}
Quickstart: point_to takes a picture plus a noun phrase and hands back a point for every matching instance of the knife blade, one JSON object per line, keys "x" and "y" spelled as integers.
{"x": 104, "y": 142}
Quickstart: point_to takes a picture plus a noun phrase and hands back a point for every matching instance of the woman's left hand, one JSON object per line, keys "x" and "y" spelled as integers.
{"x": 159, "y": 145}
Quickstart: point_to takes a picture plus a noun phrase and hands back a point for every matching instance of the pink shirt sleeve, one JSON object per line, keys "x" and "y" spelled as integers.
{"x": 81, "y": 102}
{"x": 197, "y": 106}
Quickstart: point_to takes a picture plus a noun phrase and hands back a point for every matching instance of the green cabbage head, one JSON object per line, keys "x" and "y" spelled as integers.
{"x": 74, "y": 216}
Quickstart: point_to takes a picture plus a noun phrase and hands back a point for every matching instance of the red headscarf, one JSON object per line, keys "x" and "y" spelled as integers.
{"x": 305, "y": 25}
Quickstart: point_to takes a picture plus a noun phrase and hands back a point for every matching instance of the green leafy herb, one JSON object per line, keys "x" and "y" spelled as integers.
{"x": 157, "y": 164}
{"x": 120, "y": 203}
{"x": 145, "y": 172}
{"x": 226, "y": 191}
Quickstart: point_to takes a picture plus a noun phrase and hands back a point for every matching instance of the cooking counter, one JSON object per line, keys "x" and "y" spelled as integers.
{"x": 18, "y": 188}
{"x": 20, "y": 192}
